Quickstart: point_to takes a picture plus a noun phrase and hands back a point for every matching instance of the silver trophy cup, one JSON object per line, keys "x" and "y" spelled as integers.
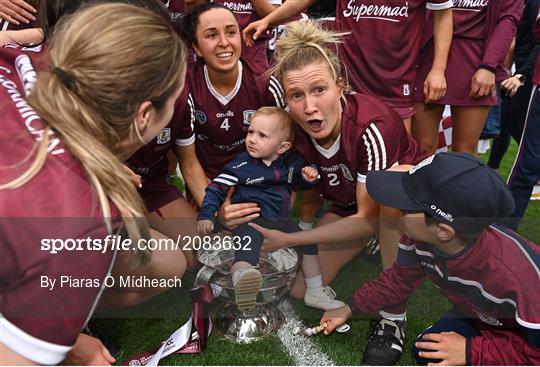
{"x": 278, "y": 270}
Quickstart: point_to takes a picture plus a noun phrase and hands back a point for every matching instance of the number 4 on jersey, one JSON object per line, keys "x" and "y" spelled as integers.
{"x": 225, "y": 124}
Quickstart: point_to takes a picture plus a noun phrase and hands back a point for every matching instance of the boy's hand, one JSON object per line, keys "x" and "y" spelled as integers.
{"x": 205, "y": 227}
{"x": 310, "y": 173}
{"x": 334, "y": 318}
{"x": 450, "y": 347}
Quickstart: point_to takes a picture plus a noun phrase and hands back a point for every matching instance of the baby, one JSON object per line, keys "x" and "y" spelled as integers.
{"x": 265, "y": 174}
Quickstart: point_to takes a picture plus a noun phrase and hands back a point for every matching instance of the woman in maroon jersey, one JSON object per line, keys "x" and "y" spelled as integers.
{"x": 221, "y": 93}
{"x": 62, "y": 176}
{"x": 483, "y": 32}
{"x": 224, "y": 92}
{"x": 381, "y": 52}
{"x": 345, "y": 136}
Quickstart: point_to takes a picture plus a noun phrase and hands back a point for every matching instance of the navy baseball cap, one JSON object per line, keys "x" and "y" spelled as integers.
{"x": 456, "y": 188}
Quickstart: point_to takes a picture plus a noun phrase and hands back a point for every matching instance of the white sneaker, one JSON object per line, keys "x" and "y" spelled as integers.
{"x": 322, "y": 298}
{"x": 247, "y": 288}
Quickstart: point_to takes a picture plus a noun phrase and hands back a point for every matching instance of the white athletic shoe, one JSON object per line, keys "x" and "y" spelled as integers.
{"x": 323, "y": 298}
{"x": 246, "y": 289}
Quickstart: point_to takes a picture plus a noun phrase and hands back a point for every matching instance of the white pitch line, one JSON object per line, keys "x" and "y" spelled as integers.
{"x": 301, "y": 348}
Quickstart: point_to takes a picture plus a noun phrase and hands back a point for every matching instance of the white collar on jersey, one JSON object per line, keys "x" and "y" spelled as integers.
{"x": 224, "y": 100}
{"x": 330, "y": 152}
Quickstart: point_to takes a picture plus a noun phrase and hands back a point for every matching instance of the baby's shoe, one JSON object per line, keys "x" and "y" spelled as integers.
{"x": 322, "y": 297}
{"x": 247, "y": 283}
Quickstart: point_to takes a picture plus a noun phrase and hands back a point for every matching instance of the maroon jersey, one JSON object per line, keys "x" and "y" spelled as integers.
{"x": 385, "y": 68}
{"x": 151, "y": 160}
{"x": 372, "y": 138}
{"x": 58, "y": 203}
{"x": 245, "y": 13}
{"x": 221, "y": 122}
{"x": 470, "y": 18}
{"x": 495, "y": 282}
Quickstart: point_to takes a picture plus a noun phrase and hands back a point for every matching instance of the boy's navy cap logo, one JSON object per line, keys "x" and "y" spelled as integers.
{"x": 455, "y": 188}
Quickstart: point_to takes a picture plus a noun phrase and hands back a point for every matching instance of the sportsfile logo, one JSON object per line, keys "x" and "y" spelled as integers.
{"x": 382, "y": 12}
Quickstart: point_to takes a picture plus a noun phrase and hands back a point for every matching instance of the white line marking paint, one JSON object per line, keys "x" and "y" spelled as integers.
{"x": 301, "y": 348}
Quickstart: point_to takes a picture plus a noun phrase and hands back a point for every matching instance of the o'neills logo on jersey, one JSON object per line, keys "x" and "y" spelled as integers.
{"x": 238, "y": 8}
{"x": 472, "y": 5}
{"x": 488, "y": 319}
{"x": 382, "y": 12}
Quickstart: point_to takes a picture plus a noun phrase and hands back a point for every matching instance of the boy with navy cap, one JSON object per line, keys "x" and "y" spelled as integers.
{"x": 489, "y": 274}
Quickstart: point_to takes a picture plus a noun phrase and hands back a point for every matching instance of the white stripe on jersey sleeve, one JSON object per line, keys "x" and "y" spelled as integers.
{"x": 368, "y": 150}
{"x": 191, "y": 105}
{"x": 30, "y": 347}
{"x": 380, "y": 139}
{"x": 438, "y": 6}
{"x": 276, "y": 2}
{"x": 375, "y": 148}
{"x": 225, "y": 182}
{"x": 276, "y": 89}
{"x": 185, "y": 142}
{"x": 228, "y": 177}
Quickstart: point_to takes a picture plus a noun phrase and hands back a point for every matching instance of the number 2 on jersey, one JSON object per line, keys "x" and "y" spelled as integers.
{"x": 334, "y": 181}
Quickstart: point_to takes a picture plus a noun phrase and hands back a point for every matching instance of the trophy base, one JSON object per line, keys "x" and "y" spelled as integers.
{"x": 240, "y": 327}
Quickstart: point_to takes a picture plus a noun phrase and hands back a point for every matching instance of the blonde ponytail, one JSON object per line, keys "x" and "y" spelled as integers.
{"x": 105, "y": 61}
{"x": 304, "y": 43}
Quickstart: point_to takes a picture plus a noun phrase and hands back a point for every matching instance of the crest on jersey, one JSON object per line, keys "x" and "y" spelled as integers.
{"x": 290, "y": 176}
{"x": 424, "y": 163}
{"x": 346, "y": 172}
{"x": 248, "y": 115}
{"x": 164, "y": 136}
{"x": 200, "y": 117}
{"x": 488, "y": 319}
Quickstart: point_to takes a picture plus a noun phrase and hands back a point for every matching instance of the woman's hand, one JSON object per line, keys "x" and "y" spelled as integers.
{"x": 135, "y": 178}
{"x": 232, "y": 215}
{"x": 17, "y": 11}
{"x": 448, "y": 346}
{"x": 434, "y": 86}
{"x": 273, "y": 239}
{"x": 512, "y": 85}
{"x": 253, "y": 31}
{"x": 88, "y": 351}
{"x": 482, "y": 83}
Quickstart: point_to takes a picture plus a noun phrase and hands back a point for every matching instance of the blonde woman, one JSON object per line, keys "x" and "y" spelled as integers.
{"x": 65, "y": 194}
{"x": 345, "y": 137}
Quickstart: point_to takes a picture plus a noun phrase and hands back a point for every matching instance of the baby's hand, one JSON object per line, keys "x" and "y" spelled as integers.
{"x": 205, "y": 227}
{"x": 310, "y": 173}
